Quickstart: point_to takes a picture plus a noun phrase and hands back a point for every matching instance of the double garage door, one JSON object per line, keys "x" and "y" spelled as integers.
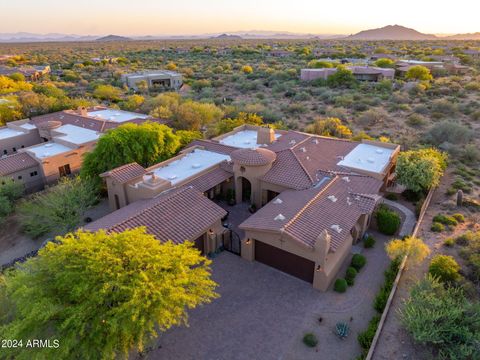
{"x": 284, "y": 261}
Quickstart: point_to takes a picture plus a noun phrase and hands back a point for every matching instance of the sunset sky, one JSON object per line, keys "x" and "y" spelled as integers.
{"x": 156, "y": 17}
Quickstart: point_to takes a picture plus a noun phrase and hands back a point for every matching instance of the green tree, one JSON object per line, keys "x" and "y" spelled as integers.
{"x": 146, "y": 144}
{"x": 103, "y": 295}
{"x": 445, "y": 268}
{"x": 107, "y": 92}
{"x": 132, "y": 103}
{"x": 319, "y": 64}
{"x": 443, "y": 319}
{"x": 187, "y": 136}
{"x": 192, "y": 115}
{"x": 329, "y": 127}
{"x": 385, "y": 63}
{"x": 419, "y": 170}
{"x": 58, "y": 209}
{"x": 226, "y": 125}
{"x": 343, "y": 77}
{"x": 247, "y": 69}
{"x": 419, "y": 72}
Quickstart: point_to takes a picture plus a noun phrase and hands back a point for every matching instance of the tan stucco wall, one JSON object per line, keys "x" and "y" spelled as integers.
{"x": 32, "y": 183}
{"x": 19, "y": 142}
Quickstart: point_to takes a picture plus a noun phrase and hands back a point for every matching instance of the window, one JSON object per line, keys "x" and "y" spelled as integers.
{"x": 64, "y": 170}
{"x": 33, "y": 173}
{"x": 14, "y": 149}
{"x": 5, "y": 152}
{"x": 19, "y": 177}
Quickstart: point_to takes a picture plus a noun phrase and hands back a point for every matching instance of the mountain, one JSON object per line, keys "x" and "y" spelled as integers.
{"x": 391, "y": 32}
{"x": 471, "y": 36}
{"x": 31, "y": 37}
{"x": 113, "y": 38}
{"x": 227, "y": 36}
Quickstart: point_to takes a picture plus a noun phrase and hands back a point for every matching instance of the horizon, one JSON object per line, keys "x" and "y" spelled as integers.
{"x": 189, "y": 18}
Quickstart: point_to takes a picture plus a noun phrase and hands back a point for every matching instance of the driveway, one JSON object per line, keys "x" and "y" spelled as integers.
{"x": 263, "y": 314}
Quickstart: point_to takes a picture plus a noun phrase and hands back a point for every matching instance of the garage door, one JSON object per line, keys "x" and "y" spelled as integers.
{"x": 284, "y": 261}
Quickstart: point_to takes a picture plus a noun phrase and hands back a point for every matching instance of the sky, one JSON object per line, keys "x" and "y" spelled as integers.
{"x": 187, "y": 17}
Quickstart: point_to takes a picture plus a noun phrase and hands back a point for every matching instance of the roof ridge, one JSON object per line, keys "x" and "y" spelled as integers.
{"x": 309, "y": 202}
{"x": 301, "y": 165}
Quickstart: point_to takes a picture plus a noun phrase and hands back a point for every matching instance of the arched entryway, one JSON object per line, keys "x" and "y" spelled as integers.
{"x": 244, "y": 190}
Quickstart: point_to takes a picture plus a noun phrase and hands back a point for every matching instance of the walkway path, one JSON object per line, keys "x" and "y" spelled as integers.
{"x": 410, "y": 218}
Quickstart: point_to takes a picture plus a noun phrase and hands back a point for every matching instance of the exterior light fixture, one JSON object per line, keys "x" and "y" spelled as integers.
{"x": 248, "y": 241}
{"x": 319, "y": 268}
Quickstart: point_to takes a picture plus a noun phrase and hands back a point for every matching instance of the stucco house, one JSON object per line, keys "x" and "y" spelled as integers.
{"x": 40, "y": 150}
{"x": 314, "y": 197}
{"x": 361, "y": 73}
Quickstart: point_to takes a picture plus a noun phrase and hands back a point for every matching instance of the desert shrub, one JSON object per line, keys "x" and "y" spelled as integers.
{"x": 310, "y": 340}
{"x": 465, "y": 238}
{"x": 340, "y": 285}
{"x": 388, "y": 221}
{"x": 437, "y": 227}
{"x": 391, "y": 196}
{"x": 445, "y": 220}
{"x": 471, "y": 154}
{"x": 365, "y": 338}
{"x": 444, "y": 106}
{"x": 372, "y": 117}
{"x": 416, "y": 120}
{"x": 448, "y": 132}
{"x": 445, "y": 268}
{"x": 350, "y": 275}
{"x": 443, "y": 319}
{"x": 459, "y": 217}
{"x": 358, "y": 261}
{"x": 449, "y": 242}
{"x": 369, "y": 242}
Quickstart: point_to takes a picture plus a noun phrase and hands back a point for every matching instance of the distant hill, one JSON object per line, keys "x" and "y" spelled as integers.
{"x": 391, "y": 32}
{"x": 471, "y": 36}
{"x": 227, "y": 36}
{"x": 113, "y": 38}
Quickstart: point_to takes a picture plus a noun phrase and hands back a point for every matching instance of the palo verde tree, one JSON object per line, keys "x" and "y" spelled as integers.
{"x": 419, "y": 72}
{"x": 102, "y": 295}
{"x": 145, "y": 144}
{"x": 419, "y": 170}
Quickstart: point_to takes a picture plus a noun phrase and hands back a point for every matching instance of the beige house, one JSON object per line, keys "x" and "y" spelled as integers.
{"x": 159, "y": 79}
{"x": 361, "y": 73}
{"x": 40, "y": 150}
{"x": 314, "y": 197}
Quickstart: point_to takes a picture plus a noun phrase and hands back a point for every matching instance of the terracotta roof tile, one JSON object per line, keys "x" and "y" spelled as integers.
{"x": 126, "y": 172}
{"x": 178, "y": 215}
{"x": 213, "y": 146}
{"x": 211, "y": 179}
{"x": 16, "y": 162}
{"x": 253, "y": 157}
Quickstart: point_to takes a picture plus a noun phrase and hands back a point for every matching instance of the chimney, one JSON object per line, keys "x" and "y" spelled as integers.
{"x": 322, "y": 246}
{"x": 82, "y": 110}
{"x": 265, "y": 135}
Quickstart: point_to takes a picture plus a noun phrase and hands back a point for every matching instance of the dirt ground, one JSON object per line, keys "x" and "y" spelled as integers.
{"x": 394, "y": 341}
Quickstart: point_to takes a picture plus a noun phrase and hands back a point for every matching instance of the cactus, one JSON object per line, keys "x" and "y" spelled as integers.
{"x": 342, "y": 330}
{"x": 459, "y": 198}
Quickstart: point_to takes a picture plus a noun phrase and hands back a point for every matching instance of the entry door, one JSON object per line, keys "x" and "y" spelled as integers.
{"x": 284, "y": 261}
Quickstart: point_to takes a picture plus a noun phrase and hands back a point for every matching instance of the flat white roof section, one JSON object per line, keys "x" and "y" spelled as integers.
{"x": 48, "y": 149}
{"x": 246, "y": 139}
{"x": 118, "y": 116}
{"x": 367, "y": 157}
{"x": 76, "y": 135}
{"x": 7, "y": 133}
{"x": 28, "y": 126}
{"x": 189, "y": 165}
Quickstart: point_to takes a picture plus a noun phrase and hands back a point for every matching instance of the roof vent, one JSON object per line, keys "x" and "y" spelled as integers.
{"x": 332, "y": 198}
{"x": 279, "y": 217}
{"x": 278, "y": 201}
{"x": 348, "y": 201}
{"x": 172, "y": 177}
{"x": 292, "y": 142}
{"x": 371, "y": 160}
{"x": 346, "y": 178}
{"x": 196, "y": 166}
{"x": 48, "y": 145}
{"x": 337, "y": 228}
{"x": 379, "y": 151}
{"x": 315, "y": 141}
{"x": 303, "y": 149}
{"x": 308, "y": 158}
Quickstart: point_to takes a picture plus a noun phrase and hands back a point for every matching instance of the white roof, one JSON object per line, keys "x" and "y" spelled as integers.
{"x": 246, "y": 139}
{"x": 76, "y": 135}
{"x": 118, "y": 116}
{"x": 6, "y": 133}
{"x": 27, "y": 126}
{"x": 189, "y": 165}
{"x": 367, "y": 157}
{"x": 48, "y": 149}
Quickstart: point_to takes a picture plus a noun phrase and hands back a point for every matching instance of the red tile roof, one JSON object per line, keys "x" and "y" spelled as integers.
{"x": 16, "y": 162}
{"x": 210, "y": 179}
{"x": 179, "y": 214}
{"x": 253, "y": 157}
{"x": 213, "y": 146}
{"x": 125, "y": 173}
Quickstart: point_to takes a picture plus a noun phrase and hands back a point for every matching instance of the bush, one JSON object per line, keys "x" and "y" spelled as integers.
{"x": 459, "y": 217}
{"x": 310, "y": 340}
{"x": 365, "y": 338}
{"x": 369, "y": 242}
{"x": 449, "y": 242}
{"x": 445, "y": 220}
{"x": 445, "y": 268}
{"x": 350, "y": 275}
{"x": 437, "y": 227}
{"x": 358, "y": 261}
{"x": 391, "y": 196}
{"x": 340, "y": 285}
{"x": 388, "y": 221}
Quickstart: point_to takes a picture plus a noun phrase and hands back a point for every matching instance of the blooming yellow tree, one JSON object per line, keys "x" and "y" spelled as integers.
{"x": 413, "y": 247}
{"x": 101, "y": 295}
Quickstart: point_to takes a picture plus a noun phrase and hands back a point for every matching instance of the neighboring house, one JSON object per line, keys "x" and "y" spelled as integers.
{"x": 39, "y": 151}
{"x": 473, "y": 53}
{"x": 31, "y": 73}
{"x": 435, "y": 67}
{"x": 376, "y": 57}
{"x": 315, "y": 197}
{"x": 361, "y": 73}
{"x": 160, "y": 79}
